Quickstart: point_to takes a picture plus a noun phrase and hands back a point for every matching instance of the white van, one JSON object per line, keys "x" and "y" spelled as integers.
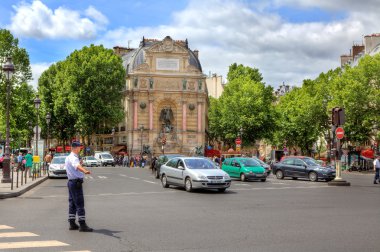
{"x": 105, "y": 158}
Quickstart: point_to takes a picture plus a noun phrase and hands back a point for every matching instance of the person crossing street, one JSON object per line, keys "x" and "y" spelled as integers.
{"x": 75, "y": 174}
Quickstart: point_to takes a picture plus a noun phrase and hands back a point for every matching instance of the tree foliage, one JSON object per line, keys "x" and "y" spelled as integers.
{"x": 246, "y": 103}
{"x": 21, "y": 94}
{"x": 83, "y": 92}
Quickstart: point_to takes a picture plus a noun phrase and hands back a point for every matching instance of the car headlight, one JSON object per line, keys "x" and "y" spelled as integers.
{"x": 202, "y": 177}
{"x": 227, "y": 177}
{"x": 51, "y": 167}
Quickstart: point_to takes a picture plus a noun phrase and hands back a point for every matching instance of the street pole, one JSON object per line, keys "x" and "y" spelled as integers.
{"x": 37, "y": 103}
{"x": 48, "y": 118}
{"x": 8, "y": 69}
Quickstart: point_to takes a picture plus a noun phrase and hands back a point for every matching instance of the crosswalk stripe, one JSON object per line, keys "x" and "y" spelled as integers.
{"x": 31, "y": 244}
{"x": 16, "y": 234}
{"x": 123, "y": 175}
{"x": 5, "y": 227}
{"x": 134, "y": 178}
{"x": 102, "y": 177}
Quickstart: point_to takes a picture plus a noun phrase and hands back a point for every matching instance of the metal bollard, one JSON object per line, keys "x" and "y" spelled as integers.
{"x": 22, "y": 176}
{"x": 11, "y": 178}
{"x": 17, "y": 178}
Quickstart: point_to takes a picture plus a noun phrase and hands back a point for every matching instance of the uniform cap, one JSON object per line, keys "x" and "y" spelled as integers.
{"x": 75, "y": 144}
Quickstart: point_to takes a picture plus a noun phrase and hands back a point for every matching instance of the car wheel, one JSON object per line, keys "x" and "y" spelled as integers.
{"x": 313, "y": 176}
{"x": 221, "y": 189}
{"x": 164, "y": 181}
{"x": 279, "y": 174}
{"x": 295, "y": 178}
{"x": 263, "y": 180}
{"x": 157, "y": 174}
{"x": 242, "y": 177}
{"x": 188, "y": 185}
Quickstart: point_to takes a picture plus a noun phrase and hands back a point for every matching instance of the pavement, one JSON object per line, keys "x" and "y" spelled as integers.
{"x": 131, "y": 211}
{"x": 6, "y": 190}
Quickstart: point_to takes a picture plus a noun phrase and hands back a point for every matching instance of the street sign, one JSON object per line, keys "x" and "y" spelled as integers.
{"x": 339, "y": 132}
{"x": 238, "y": 141}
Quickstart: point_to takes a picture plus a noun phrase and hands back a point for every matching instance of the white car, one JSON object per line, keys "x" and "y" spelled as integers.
{"x": 57, "y": 167}
{"x": 90, "y": 161}
{"x": 194, "y": 173}
{"x": 105, "y": 158}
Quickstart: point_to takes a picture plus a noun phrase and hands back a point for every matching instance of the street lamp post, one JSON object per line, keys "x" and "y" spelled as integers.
{"x": 8, "y": 69}
{"x": 30, "y": 133}
{"x": 113, "y": 136}
{"x": 48, "y": 118}
{"x": 37, "y": 103}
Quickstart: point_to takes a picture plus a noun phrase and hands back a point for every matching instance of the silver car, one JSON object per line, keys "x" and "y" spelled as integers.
{"x": 57, "y": 167}
{"x": 90, "y": 161}
{"x": 194, "y": 173}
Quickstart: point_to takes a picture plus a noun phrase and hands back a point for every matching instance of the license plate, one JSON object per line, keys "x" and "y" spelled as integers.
{"x": 259, "y": 175}
{"x": 215, "y": 181}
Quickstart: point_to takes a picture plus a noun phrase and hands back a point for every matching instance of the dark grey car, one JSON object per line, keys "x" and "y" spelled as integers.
{"x": 302, "y": 167}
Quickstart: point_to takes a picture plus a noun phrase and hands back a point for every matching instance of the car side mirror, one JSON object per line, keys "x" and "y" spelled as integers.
{"x": 181, "y": 167}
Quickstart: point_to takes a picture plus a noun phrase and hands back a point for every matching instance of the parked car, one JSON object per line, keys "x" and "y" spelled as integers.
{"x": 193, "y": 173}
{"x": 302, "y": 167}
{"x": 162, "y": 160}
{"x": 105, "y": 158}
{"x": 244, "y": 168}
{"x": 90, "y": 161}
{"x": 57, "y": 167}
{"x": 266, "y": 166}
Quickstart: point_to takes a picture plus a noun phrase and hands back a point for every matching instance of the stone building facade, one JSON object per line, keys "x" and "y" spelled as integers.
{"x": 165, "y": 97}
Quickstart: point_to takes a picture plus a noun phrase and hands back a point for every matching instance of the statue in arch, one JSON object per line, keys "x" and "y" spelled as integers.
{"x": 166, "y": 118}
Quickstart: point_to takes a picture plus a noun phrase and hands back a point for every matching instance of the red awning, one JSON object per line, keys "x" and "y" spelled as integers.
{"x": 59, "y": 148}
{"x": 67, "y": 148}
{"x": 368, "y": 153}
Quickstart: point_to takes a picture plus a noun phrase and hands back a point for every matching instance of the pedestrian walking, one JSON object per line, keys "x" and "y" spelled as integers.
{"x": 28, "y": 162}
{"x": 75, "y": 174}
{"x": 125, "y": 161}
{"x": 376, "y": 167}
{"x": 19, "y": 161}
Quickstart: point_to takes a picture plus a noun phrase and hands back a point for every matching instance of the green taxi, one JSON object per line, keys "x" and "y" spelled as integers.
{"x": 244, "y": 168}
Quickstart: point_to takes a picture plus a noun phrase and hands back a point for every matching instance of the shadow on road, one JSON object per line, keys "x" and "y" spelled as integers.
{"x": 108, "y": 233}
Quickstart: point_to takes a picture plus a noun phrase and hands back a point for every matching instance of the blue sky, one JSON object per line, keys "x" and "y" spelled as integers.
{"x": 287, "y": 40}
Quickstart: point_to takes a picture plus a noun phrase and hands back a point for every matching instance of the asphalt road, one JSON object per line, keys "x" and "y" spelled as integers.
{"x": 130, "y": 211}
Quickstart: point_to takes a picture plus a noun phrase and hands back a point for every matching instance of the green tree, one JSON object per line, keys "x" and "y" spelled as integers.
{"x": 245, "y": 103}
{"x": 84, "y": 92}
{"x": 20, "y": 92}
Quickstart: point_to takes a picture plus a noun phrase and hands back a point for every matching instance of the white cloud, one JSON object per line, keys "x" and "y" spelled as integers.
{"x": 233, "y": 31}
{"x": 36, "y": 20}
{"x": 37, "y": 70}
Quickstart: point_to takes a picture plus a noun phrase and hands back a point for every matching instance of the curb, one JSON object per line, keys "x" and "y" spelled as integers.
{"x": 22, "y": 191}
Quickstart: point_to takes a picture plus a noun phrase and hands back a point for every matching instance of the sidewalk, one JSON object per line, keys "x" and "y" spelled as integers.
{"x": 7, "y": 192}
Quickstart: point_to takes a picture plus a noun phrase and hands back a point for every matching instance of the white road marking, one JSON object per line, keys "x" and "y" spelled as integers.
{"x": 5, "y": 227}
{"x": 134, "y": 178}
{"x": 79, "y": 251}
{"x": 123, "y": 175}
{"x": 89, "y": 177}
{"x": 16, "y": 234}
{"x": 102, "y": 177}
{"x": 280, "y": 188}
{"x": 240, "y": 184}
{"x": 31, "y": 244}
{"x": 150, "y": 182}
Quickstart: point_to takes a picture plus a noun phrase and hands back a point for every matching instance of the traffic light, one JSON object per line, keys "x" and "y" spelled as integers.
{"x": 338, "y": 116}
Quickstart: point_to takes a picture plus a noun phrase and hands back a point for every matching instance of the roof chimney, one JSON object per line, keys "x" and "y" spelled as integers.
{"x": 196, "y": 52}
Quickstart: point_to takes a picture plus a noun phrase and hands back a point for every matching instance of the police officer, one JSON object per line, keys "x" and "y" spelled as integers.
{"x": 75, "y": 173}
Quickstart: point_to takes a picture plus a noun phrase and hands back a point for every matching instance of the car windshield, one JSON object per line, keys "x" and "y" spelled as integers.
{"x": 199, "y": 164}
{"x": 58, "y": 160}
{"x": 249, "y": 162}
{"x": 310, "y": 161}
{"x": 90, "y": 158}
{"x": 107, "y": 156}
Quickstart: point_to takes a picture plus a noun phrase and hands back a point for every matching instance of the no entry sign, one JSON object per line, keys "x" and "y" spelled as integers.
{"x": 339, "y": 132}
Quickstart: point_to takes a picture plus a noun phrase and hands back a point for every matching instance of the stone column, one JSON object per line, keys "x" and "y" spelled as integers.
{"x": 150, "y": 114}
{"x": 199, "y": 117}
{"x": 135, "y": 115}
{"x": 184, "y": 123}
